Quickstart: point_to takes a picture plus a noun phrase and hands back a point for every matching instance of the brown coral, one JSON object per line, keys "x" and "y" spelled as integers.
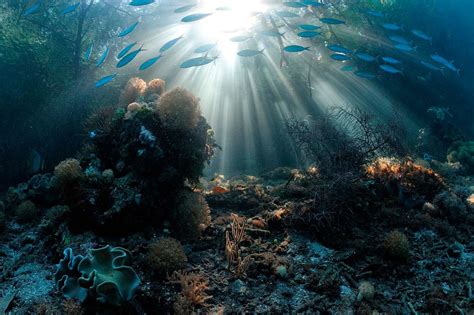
{"x": 166, "y": 255}
{"x": 132, "y": 91}
{"x": 68, "y": 173}
{"x": 154, "y": 89}
{"x": 26, "y": 212}
{"x": 191, "y": 216}
{"x": 397, "y": 246}
{"x": 193, "y": 292}
{"x": 179, "y": 109}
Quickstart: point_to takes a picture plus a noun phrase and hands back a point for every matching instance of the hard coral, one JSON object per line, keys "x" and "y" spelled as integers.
{"x": 166, "y": 255}
{"x": 132, "y": 91}
{"x": 26, "y": 212}
{"x": 463, "y": 152}
{"x": 397, "y": 246}
{"x": 191, "y": 216}
{"x": 68, "y": 173}
{"x": 179, "y": 109}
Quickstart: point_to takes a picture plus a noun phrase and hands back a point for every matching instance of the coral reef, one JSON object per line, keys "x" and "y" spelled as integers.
{"x": 68, "y": 173}
{"x": 462, "y": 152}
{"x": 193, "y": 292}
{"x": 132, "y": 91}
{"x": 180, "y": 109}
{"x": 194, "y": 208}
{"x": 26, "y": 212}
{"x": 166, "y": 256}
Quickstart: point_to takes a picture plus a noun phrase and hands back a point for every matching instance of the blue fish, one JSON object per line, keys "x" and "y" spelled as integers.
{"x": 308, "y": 34}
{"x": 389, "y": 69}
{"x": 250, "y": 53}
{"x": 272, "y": 33}
{"x": 129, "y": 57}
{"x": 294, "y": 4}
{"x": 340, "y": 57}
{"x": 195, "y": 17}
{"x": 224, "y": 9}
{"x": 443, "y": 61}
{"x": 240, "y": 38}
{"x": 124, "y": 51}
{"x": 430, "y": 66}
{"x": 71, "y": 8}
{"x": 365, "y": 74}
{"x": 137, "y": 3}
{"x": 105, "y": 80}
{"x": 309, "y": 27}
{"x": 128, "y": 30}
{"x": 391, "y": 26}
{"x": 88, "y": 54}
{"x": 403, "y": 47}
{"x": 184, "y": 9}
{"x": 422, "y": 35}
{"x": 286, "y": 14}
{"x": 295, "y": 48}
{"x": 150, "y": 62}
{"x": 365, "y": 57}
{"x": 399, "y": 39}
{"x": 391, "y": 60}
{"x": 197, "y": 62}
{"x": 347, "y": 68}
{"x": 32, "y": 9}
{"x": 339, "y": 49}
{"x": 204, "y": 48}
{"x": 312, "y": 3}
{"x": 170, "y": 44}
{"x": 103, "y": 57}
{"x": 331, "y": 21}
{"x": 375, "y": 13}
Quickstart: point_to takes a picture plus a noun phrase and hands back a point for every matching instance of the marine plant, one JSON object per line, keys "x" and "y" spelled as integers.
{"x": 397, "y": 246}
{"x": 166, "y": 256}
{"x": 191, "y": 216}
{"x": 462, "y": 152}
{"x": 105, "y": 274}
{"x": 26, "y": 212}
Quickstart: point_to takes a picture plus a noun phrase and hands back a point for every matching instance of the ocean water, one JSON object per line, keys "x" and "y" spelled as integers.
{"x": 236, "y": 156}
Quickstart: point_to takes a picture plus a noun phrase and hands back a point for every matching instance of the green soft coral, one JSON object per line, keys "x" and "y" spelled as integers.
{"x": 462, "y": 152}
{"x": 104, "y": 274}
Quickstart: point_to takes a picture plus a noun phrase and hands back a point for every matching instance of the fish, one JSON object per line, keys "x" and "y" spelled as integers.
{"x": 389, "y": 69}
{"x": 138, "y": 3}
{"x": 197, "y": 62}
{"x": 340, "y": 57}
{"x": 398, "y": 39}
{"x": 129, "y": 57}
{"x": 365, "y": 57}
{"x": 308, "y": 34}
{"x": 339, "y": 49}
{"x": 391, "y": 26}
{"x": 250, "y": 53}
{"x": 331, "y": 21}
{"x": 365, "y": 74}
{"x": 88, "y": 54}
{"x": 309, "y": 27}
{"x": 184, "y": 8}
{"x": 286, "y": 14}
{"x": 294, "y": 4}
{"x": 170, "y": 44}
{"x": 124, "y": 51}
{"x": 204, "y": 48}
{"x": 422, "y": 35}
{"x": 103, "y": 57}
{"x": 128, "y": 30}
{"x": 223, "y": 9}
{"x": 347, "y": 68}
{"x": 430, "y": 66}
{"x": 35, "y": 163}
{"x": 150, "y": 62}
{"x": 312, "y": 3}
{"x": 404, "y": 47}
{"x": 195, "y": 17}
{"x": 70, "y": 8}
{"x": 375, "y": 13}
{"x": 391, "y": 60}
{"x": 443, "y": 61}
{"x": 240, "y": 38}
{"x": 32, "y": 9}
{"x": 295, "y": 48}
{"x": 272, "y": 33}
{"x": 103, "y": 81}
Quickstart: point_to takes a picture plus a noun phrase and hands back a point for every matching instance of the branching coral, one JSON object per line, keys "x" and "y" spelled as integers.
{"x": 193, "y": 292}
{"x": 180, "y": 109}
{"x": 463, "y": 152}
{"x": 132, "y": 91}
{"x": 191, "y": 216}
{"x": 166, "y": 255}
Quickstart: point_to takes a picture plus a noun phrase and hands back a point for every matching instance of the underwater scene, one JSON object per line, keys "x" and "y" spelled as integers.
{"x": 237, "y": 157}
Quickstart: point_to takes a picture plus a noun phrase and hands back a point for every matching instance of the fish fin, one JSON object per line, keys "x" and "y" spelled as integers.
{"x": 308, "y": 48}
